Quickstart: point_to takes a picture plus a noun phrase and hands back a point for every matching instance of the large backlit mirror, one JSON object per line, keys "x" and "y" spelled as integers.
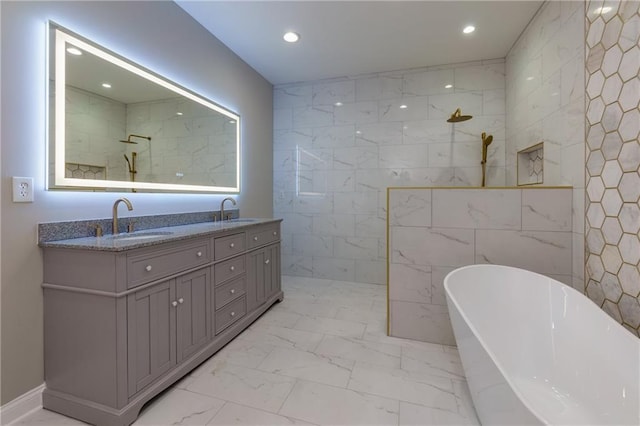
{"x": 117, "y": 126}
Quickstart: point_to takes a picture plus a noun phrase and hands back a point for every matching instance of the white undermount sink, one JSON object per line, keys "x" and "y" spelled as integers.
{"x": 138, "y": 236}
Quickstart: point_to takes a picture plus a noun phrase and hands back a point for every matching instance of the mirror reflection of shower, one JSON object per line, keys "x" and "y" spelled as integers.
{"x": 131, "y": 164}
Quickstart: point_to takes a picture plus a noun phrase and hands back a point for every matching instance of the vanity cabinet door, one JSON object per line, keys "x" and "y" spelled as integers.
{"x": 193, "y": 312}
{"x": 263, "y": 275}
{"x": 151, "y": 334}
{"x": 255, "y": 279}
{"x": 272, "y": 270}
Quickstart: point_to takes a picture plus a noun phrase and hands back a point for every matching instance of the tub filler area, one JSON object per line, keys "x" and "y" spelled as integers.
{"x": 537, "y": 352}
{"x": 432, "y": 231}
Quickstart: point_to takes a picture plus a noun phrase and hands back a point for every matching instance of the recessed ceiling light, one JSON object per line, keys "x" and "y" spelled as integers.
{"x": 403, "y": 106}
{"x": 469, "y": 29}
{"x": 178, "y": 113}
{"x": 530, "y": 78}
{"x": 74, "y": 51}
{"x": 358, "y": 132}
{"x": 338, "y": 104}
{"x": 232, "y": 121}
{"x": 602, "y": 10}
{"x": 291, "y": 37}
{"x": 106, "y": 85}
{"x": 448, "y": 86}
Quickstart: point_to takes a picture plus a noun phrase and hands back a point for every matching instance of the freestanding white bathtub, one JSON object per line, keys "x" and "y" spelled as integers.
{"x": 536, "y": 351}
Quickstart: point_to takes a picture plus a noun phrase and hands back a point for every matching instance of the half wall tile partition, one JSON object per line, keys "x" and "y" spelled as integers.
{"x": 432, "y": 231}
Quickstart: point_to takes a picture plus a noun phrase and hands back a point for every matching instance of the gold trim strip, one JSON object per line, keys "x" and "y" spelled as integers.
{"x": 388, "y": 266}
{"x": 480, "y": 187}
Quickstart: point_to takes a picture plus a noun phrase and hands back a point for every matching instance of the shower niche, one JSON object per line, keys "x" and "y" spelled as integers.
{"x": 530, "y": 165}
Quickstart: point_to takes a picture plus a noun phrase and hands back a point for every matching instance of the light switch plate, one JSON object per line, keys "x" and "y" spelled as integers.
{"x": 22, "y": 189}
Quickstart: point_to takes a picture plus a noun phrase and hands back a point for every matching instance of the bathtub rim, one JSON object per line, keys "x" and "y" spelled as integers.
{"x": 565, "y": 287}
{"x": 497, "y": 364}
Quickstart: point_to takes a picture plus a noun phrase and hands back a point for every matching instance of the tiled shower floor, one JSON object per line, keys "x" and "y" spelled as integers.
{"x": 320, "y": 357}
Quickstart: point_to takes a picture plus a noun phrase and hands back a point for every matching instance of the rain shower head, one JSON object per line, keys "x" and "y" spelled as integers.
{"x": 457, "y": 117}
{"x": 135, "y": 136}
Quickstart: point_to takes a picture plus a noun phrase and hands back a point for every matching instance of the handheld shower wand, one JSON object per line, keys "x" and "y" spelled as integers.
{"x": 486, "y": 141}
{"x": 132, "y": 165}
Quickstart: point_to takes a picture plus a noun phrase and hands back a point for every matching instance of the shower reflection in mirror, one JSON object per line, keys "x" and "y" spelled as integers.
{"x": 99, "y": 99}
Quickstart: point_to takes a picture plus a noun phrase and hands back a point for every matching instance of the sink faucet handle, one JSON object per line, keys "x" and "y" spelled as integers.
{"x": 98, "y": 229}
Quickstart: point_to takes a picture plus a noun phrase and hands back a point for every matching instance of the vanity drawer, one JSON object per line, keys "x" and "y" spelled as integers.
{"x": 230, "y": 313}
{"x": 230, "y": 291}
{"x": 264, "y": 235}
{"x": 229, "y": 246}
{"x": 228, "y": 269}
{"x": 157, "y": 264}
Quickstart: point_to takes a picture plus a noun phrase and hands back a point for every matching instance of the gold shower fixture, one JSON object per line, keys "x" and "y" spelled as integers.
{"x": 457, "y": 117}
{"x": 135, "y": 136}
{"x": 486, "y": 141}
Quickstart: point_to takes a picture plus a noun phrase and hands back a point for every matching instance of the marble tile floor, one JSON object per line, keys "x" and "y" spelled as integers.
{"x": 321, "y": 357}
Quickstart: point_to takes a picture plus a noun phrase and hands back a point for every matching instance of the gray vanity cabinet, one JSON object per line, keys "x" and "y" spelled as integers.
{"x": 167, "y": 323}
{"x": 151, "y": 334}
{"x": 193, "y": 312}
{"x": 123, "y": 325}
{"x": 264, "y": 272}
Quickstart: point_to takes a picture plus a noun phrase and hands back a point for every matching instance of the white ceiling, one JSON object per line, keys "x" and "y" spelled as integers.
{"x": 346, "y": 38}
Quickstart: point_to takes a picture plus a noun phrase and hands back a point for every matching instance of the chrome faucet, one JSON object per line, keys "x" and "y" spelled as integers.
{"x": 222, "y": 206}
{"x": 115, "y": 212}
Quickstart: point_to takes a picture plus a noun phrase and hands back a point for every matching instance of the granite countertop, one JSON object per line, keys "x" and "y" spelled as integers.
{"x": 155, "y": 236}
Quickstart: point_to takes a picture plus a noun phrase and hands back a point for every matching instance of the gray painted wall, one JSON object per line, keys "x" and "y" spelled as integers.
{"x": 157, "y": 35}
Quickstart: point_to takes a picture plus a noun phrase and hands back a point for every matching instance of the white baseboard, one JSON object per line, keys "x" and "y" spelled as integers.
{"x": 21, "y": 406}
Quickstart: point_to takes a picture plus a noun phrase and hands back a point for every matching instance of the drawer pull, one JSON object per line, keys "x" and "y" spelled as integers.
{"x": 148, "y": 268}
{"x": 199, "y": 254}
{"x": 174, "y": 303}
{"x": 233, "y": 314}
{"x": 255, "y": 238}
{"x": 232, "y": 268}
{"x": 266, "y": 262}
{"x": 233, "y": 290}
{"x": 181, "y": 300}
{"x": 232, "y": 245}
{"x": 275, "y": 233}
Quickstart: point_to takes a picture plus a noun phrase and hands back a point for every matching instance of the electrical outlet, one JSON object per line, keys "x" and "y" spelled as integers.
{"x": 22, "y": 189}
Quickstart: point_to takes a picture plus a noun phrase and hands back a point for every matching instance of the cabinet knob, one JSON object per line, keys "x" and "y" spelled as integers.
{"x": 199, "y": 254}
{"x": 233, "y": 314}
{"x": 266, "y": 262}
{"x": 148, "y": 268}
{"x": 275, "y": 233}
{"x": 232, "y": 268}
{"x": 255, "y": 238}
{"x": 174, "y": 303}
{"x": 233, "y": 290}
{"x": 181, "y": 300}
{"x": 232, "y": 245}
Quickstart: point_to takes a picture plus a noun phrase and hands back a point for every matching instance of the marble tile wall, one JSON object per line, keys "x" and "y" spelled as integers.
{"x": 613, "y": 163}
{"x": 338, "y": 144}
{"x": 433, "y": 231}
{"x": 178, "y": 126}
{"x": 545, "y": 103}
{"x": 95, "y": 124}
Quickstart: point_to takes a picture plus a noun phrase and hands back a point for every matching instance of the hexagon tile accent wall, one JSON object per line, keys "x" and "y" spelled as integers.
{"x": 613, "y": 162}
